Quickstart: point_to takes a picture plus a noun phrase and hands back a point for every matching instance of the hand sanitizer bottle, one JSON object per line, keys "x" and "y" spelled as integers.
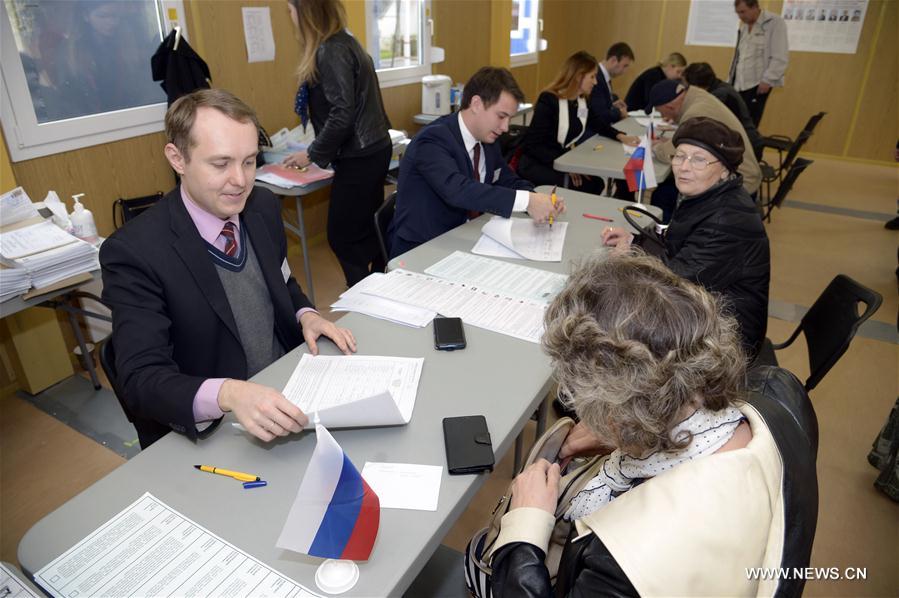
{"x": 83, "y": 221}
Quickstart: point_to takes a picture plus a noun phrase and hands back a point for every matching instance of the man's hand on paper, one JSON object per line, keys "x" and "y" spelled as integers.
{"x": 577, "y": 179}
{"x": 297, "y": 160}
{"x": 262, "y": 411}
{"x": 617, "y": 238}
{"x": 537, "y": 486}
{"x": 541, "y": 206}
{"x": 581, "y": 442}
{"x": 631, "y": 140}
{"x": 314, "y": 325}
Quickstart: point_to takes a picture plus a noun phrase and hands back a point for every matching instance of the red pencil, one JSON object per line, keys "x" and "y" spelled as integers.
{"x": 595, "y": 217}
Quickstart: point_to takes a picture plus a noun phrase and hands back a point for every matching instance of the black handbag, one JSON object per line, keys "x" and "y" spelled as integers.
{"x": 650, "y": 239}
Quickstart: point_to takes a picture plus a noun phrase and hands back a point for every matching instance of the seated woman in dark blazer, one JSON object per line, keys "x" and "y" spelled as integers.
{"x": 561, "y": 119}
{"x": 670, "y": 68}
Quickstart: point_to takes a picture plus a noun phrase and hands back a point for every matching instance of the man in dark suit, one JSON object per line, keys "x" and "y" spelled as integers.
{"x": 603, "y": 101}
{"x": 201, "y": 294}
{"x": 454, "y": 167}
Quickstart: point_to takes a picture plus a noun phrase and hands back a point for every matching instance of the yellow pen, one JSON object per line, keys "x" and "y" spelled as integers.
{"x": 237, "y": 475}
{"x": 553, "y": 198}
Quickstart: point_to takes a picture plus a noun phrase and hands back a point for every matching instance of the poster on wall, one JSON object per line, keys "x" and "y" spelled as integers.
{"x": 824, "y": 25}
{"x": 712, "y": 23}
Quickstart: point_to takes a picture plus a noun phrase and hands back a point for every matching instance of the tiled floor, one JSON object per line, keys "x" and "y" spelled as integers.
{"x": 43, "y": 463}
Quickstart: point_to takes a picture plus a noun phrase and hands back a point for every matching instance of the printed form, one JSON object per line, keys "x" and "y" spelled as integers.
{"x": 511, "y": 279}
{"x": 355, "y": 390}
{"x": 149, "y": 549}
{"x": 522, "y": 238}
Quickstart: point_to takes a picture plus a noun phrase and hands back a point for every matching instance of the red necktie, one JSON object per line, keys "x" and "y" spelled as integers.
{"x": 229, "y": 231}
{"x": 472, "y": 214}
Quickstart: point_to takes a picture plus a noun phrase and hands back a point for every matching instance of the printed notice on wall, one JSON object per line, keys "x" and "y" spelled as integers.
{"x": 257, "y": 32}
{"x": 712, "y": 23}
{"x": 824, "y": 25}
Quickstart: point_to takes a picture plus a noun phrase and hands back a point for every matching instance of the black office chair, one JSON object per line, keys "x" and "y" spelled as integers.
{"x": 786, "y": 185}
{"x": 829, "y": 326}
{"x": 782, "y": 143}
{"x": 124, "y": 210}
{"x": 383, "y": 218}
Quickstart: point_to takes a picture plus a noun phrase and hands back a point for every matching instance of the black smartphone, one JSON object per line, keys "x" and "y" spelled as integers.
{"x": 448, "y": 334}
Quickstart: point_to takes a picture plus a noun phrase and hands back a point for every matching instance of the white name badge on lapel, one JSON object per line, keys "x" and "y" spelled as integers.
{"x": 285, "y": 270}
{"x": 496, "y": 174}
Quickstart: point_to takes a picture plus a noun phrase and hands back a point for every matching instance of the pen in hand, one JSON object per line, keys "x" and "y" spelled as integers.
{"x": 553, "y": 199}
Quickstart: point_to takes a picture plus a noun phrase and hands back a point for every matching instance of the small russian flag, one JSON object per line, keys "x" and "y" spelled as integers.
{"x": 633, "y": 170}
{"x": 336, "y": 514}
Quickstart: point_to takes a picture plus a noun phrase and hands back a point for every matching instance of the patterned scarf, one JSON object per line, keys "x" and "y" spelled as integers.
{"x": 710, "y": 429}
{"x": 301, "y": 104}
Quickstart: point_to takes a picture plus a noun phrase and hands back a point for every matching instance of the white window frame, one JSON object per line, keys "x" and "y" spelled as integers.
{"x": 529, "y": 57}
{"x": 27, "y": 139}
{"x": 394, "y": 77}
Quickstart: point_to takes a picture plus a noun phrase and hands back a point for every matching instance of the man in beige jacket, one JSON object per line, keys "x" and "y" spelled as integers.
{"x": 676, "y": 102}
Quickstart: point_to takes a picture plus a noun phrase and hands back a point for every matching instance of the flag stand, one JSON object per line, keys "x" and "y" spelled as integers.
{"x": 336, "y": 576}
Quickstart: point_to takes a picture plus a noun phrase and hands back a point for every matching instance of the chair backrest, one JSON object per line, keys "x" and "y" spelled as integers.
{"x": 813, "y": 122}
{"x": 832, "y": 321}
{"x": 793, "y": 152}
{"x": 789, "y": 180}
{"x": 124, "y": 210}
{"x": 383, "y": 218}
{"x": 790, "y": 417}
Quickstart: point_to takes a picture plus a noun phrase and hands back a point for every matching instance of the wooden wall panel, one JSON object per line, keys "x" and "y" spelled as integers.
{"x": 877, "y": 127}
{"x": 402, "y": 103}
{"x": 527, "y": 80}
{"x": 462, "y": 28}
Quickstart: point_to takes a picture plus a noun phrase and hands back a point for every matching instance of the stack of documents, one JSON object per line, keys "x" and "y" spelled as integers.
{"x": 48, "y": 253}
{"x": 357, "y": 299}
{"x": 275, "y": 174}
{"x": 522, "y": 238}
{"x": 13, "y": 282}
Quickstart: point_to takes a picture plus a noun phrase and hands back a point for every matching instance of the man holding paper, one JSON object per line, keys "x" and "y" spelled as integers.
{"x": 201, "y": 293}
{"x": 453, "y": 169}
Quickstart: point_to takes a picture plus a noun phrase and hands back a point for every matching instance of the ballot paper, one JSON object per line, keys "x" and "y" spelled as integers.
{"x": 276, "y": 174}
{"x": 32, "y": 239}
{"x": 357, "y": 300}
{"x": 527, "y": 239}
{"x": 348, "y": 391}
{"x": 509, "y": 279}
{"x": 11, "y": 586}
{"x": 404, "y": 485}
{"x": 149, "y": 549}
{"x": 479, "y": 306}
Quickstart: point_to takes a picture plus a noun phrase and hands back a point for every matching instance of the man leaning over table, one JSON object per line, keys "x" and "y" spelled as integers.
{"x": 678, "y": 102}
{"x": 453, "y": 169}
{"x": 201, "y": 294}
{"x": 603, "y": 101}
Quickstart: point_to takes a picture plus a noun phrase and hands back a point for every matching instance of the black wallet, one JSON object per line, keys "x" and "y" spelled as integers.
{"x": 468, "y": 446}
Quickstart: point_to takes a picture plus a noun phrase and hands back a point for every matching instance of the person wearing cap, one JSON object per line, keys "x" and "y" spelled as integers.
{"x": 760, "y": 57}
{"x": 703, "y": 75}
{"x": 670, "y": 68}
{"x": 716, "y": 237}
{"x": 677, "y": 103}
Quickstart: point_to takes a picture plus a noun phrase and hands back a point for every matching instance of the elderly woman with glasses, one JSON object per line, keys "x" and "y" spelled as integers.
{"x": 716, "y": 237}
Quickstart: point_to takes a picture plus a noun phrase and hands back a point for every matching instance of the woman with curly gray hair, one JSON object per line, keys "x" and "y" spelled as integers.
{"x": 680, "y": 489}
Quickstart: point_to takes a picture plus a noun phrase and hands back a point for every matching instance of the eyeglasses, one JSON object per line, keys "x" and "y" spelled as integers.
{"x": 696, "y": 161}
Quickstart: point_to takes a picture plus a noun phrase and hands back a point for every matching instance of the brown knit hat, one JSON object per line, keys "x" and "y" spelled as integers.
{"x": 713, "y": 136}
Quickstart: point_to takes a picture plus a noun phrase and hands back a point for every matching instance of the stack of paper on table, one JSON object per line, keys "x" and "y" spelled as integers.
{"x": 522, "y": 238}
{"x": 348, "y": 391}
{"x": 642, "y": 113}
{"x": 282, "y": 176}
{"x": 503, "y": 277}
{"x": 48, "y": 253}
{"x": 358, "y": 300}
{"x": 13, "y": 282}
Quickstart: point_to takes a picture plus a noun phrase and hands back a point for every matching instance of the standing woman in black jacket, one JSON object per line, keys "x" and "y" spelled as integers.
{"x": 561, "y": 119}
{"x": 339, "y": 90}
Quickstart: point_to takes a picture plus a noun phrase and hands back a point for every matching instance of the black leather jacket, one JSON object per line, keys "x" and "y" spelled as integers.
{"x": 345, "y": 103}
{"x": 587, "y": 568}
{"x": 717, "y": 239}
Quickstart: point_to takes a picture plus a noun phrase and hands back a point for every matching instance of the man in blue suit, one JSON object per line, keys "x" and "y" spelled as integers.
{"x": 453, "y": 168}
{"x": 603, "y": 101}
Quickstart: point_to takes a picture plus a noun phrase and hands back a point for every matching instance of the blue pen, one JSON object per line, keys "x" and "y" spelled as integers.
{"x": 256, "y": 484}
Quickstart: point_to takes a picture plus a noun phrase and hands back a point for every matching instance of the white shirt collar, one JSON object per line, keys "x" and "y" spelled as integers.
{"x": 605, "y": 74}
{"x": 467, "y": 138}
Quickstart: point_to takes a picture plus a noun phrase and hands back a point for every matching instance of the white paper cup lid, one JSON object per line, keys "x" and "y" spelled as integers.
{"x": 336, "y": 576}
